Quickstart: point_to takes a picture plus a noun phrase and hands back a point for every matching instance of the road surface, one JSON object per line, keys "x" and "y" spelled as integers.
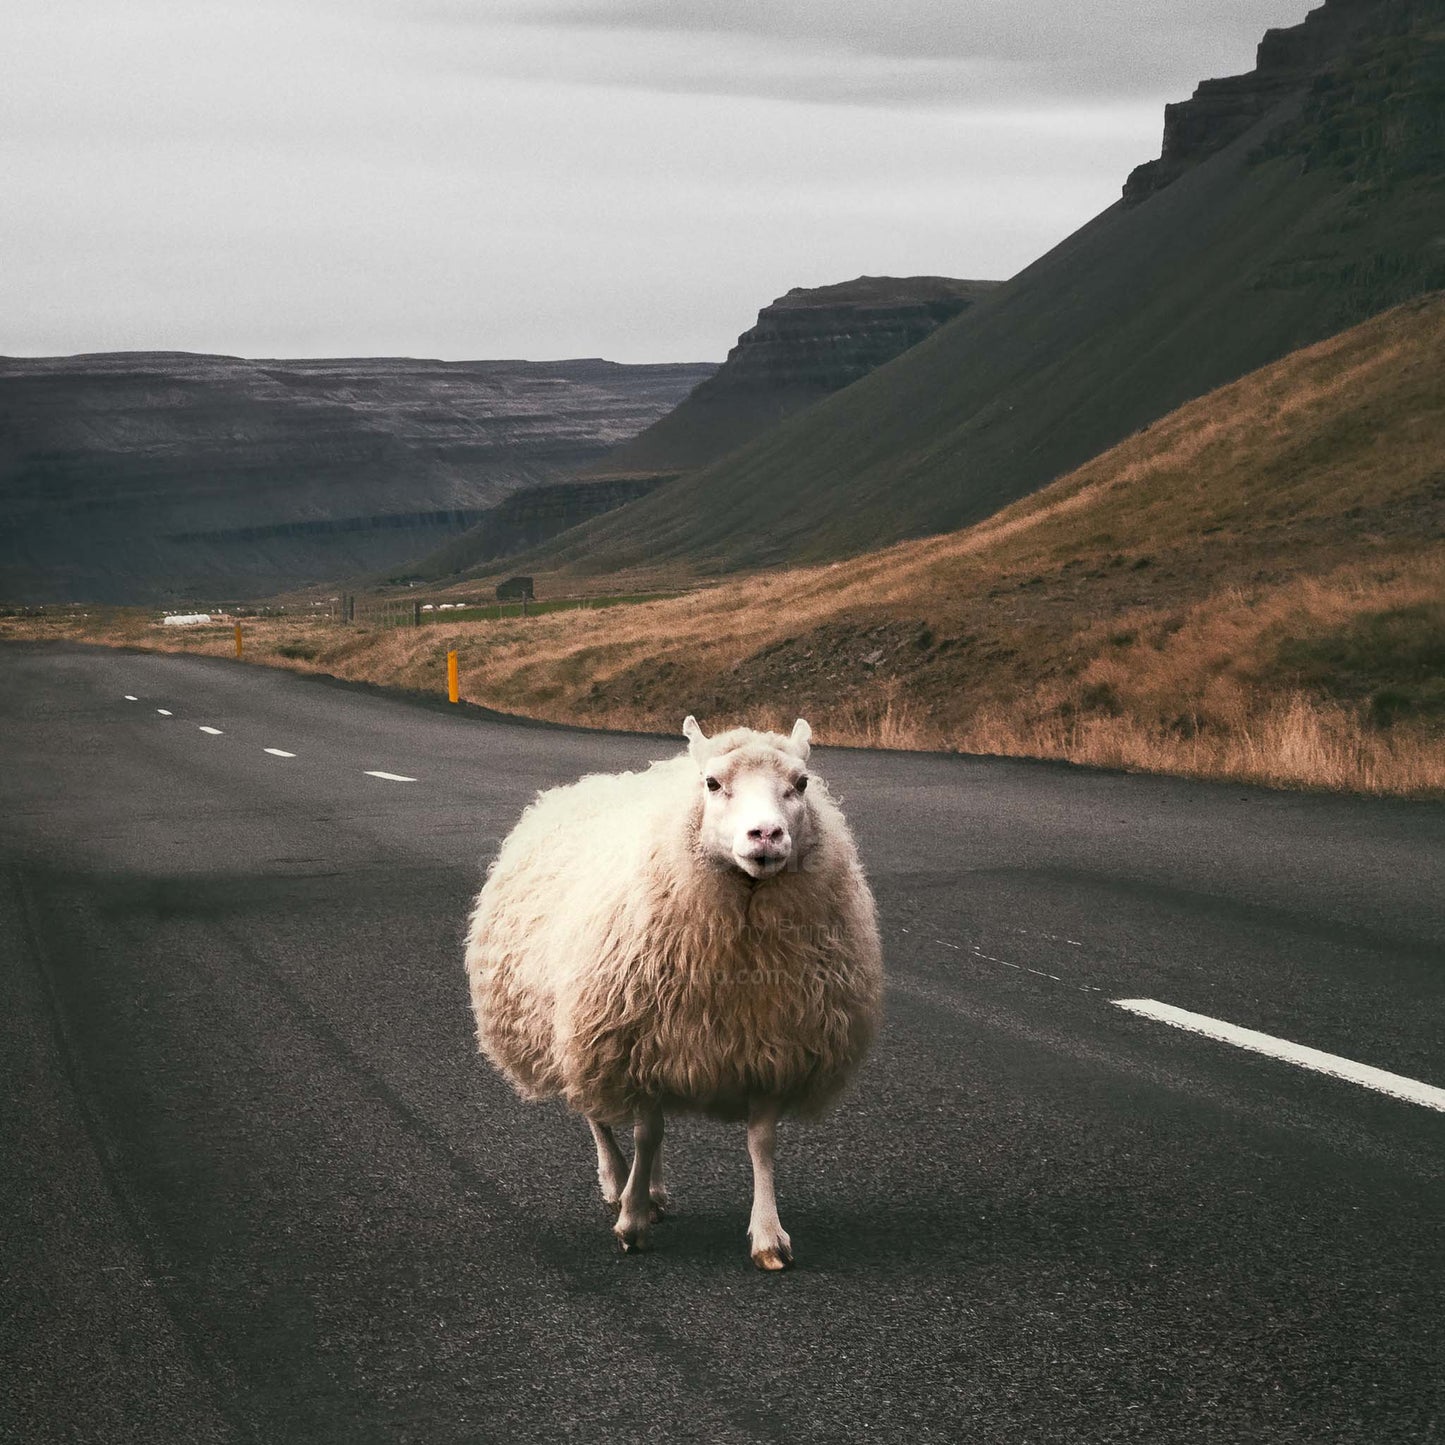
{"x": 258, "y": 1186}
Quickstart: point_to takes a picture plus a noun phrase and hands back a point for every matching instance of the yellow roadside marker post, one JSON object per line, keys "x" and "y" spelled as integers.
{"x": 453, "y": 692}
{"x": 238, "y": 639}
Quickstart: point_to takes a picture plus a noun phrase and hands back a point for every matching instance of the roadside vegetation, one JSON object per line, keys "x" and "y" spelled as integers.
{"x": 1251, "y": 588}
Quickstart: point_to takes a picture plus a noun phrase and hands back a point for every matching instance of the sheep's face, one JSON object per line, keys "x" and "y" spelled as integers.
{"x": 754, "y": 805}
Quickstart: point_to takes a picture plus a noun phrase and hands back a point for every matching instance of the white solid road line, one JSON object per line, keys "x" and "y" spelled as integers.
{"x": 390, "y": 777}
{"x": 214, "y": 732}
{"x": 163, "y": 712}
{"x": 278, "y": 753}
{"x": 1395, "y": 1085}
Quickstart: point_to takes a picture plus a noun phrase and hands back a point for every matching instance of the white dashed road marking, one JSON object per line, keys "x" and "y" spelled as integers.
{"x": 131, "y": 697}
{"x": 278, "y": 753}
{"x": 214, "y": 732}
{"x": 1019, "y": 967}
{"x": 163, "y": 712}
{"x": 390, "y": 777}
{"x": 1395, "y": 1085}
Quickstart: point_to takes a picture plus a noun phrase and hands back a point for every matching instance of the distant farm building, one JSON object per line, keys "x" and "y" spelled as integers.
{"x": 515, "y": 589}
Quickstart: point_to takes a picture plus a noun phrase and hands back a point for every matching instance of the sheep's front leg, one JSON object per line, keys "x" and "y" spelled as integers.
{"x": 634, "y": 1220}
{"x": 657, "y": 1188}
{"x": 771, "y": 1247}
{"x": 611, "y": 1166}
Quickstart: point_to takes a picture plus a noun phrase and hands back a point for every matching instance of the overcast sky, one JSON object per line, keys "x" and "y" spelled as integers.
{"x": 552, "y": 178}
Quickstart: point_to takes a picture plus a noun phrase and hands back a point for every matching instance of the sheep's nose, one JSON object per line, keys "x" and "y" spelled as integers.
{"x": 770, "y": 833}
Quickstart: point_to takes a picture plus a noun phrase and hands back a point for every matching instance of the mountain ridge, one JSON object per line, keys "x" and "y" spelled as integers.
{"x": 140, "y": 475}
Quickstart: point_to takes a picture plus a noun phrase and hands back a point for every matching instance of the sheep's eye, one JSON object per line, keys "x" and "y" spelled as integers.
{"x": 802, "y": 784}
{"x": 712, "y": 784}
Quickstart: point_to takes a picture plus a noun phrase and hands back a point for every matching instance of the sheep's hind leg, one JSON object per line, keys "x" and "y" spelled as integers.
{"x": 611, "y": 1166}
{"x": 657, "y": 1187}
{"x": 771, "y": 1247}
{"x": 634, "y": 1220}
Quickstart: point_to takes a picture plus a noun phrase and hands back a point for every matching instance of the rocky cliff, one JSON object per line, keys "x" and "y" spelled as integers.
{"x": 805, "y": 346}
{"x": 827, "y": 337}
{"x": 1345, "y": 56}
{"x": 138, "y": 476}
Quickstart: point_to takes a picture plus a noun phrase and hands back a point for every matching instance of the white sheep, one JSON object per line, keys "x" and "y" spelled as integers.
{"x": 699, "y": 936}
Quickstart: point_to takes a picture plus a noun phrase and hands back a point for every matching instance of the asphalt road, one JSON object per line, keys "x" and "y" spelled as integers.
{"x": 258, "y": 1187}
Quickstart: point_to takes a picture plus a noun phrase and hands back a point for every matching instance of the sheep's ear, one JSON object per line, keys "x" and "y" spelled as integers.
{"x": 694, "y": 735}
{"x": 802, "y": 735}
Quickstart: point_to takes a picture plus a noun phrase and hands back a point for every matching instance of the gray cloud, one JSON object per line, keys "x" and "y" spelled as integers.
{"x": 550, "y": 177}
{"x": 903, "y": 53}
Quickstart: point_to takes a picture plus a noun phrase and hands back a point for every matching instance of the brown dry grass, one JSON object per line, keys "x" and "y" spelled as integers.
{"x": 1139, "y": 613}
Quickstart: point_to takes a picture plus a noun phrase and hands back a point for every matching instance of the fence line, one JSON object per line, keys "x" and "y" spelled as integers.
{"x": 389, "y": 612}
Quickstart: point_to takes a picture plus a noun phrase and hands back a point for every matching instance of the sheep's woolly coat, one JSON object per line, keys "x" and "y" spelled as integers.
{"x": 612, "y": 961}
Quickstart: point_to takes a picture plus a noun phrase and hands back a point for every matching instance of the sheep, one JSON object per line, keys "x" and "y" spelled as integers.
{"x": 696, "y": 937}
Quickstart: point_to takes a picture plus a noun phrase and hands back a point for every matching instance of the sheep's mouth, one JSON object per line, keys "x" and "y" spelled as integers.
{"x": 761, "y": 865}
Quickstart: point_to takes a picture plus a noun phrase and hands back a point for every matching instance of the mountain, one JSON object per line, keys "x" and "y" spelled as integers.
{"x": 804, "y": 346}
{"x": 1287, "y": 204}
{"x": 150, "y": 475}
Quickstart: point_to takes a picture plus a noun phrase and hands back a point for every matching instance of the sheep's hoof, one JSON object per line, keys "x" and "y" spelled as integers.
{"x": 633, "y": 1239}
{"x": 772, "y": 1257}
{"x": 659, "y": 1205}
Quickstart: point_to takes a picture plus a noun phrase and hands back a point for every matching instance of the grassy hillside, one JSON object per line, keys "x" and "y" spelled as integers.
{"x": 1310, "y": 195}
{"x": 1253, "y": 587}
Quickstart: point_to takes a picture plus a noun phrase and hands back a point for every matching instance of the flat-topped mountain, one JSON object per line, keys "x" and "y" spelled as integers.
{"x": 804, "y": 346}
{"x": 148, "y": 475}
{"x": 1289, "y": 204}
